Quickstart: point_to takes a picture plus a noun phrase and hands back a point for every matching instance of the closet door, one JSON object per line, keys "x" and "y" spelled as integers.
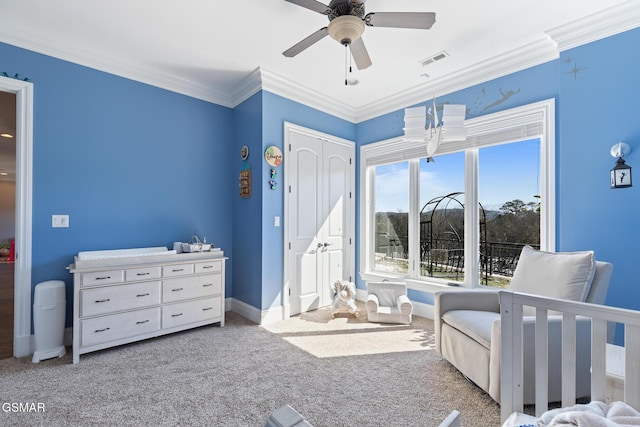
{"x": 319, "y": 219}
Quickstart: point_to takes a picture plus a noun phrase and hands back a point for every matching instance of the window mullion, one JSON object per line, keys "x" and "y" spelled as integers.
{"x": 414, "y": 218}
{"x": 471, "y": 223}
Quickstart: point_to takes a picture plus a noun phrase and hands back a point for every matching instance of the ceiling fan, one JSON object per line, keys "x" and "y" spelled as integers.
{"x": 347, "y": 22}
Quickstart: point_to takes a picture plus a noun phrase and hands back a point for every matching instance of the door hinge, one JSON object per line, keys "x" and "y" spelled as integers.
{"x": 349, "y": 240}
{"x": 289, "y": 245}
{"x": 289, "y": 147}
{"x": 349, "y": 194}
{"x": 289, "y": 291}
{"x": 349, "y": 160}
{"x": 289, "y": 189}
{"x": 350, "y": 278}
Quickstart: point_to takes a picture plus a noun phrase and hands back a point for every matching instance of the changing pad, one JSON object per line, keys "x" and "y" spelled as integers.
{"x": 123, "y": 253}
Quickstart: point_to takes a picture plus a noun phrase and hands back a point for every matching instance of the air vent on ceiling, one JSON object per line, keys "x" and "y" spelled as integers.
{"x": 434, "y": 58}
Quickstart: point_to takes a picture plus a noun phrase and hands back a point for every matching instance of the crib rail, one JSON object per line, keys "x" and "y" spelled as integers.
{"x": 511, "y": 374}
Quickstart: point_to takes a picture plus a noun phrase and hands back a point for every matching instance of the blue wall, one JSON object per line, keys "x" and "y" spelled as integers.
{"x": 133, "y": 165}
{"x": 600, "y": 88}
{"x": 246, "y": 260}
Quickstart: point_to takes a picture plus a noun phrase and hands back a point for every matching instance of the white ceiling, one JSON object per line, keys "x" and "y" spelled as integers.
{"x": 224, "y": 51}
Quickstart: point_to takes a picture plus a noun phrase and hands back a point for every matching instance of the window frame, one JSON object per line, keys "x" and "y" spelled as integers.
{"x": 535, "y": 120}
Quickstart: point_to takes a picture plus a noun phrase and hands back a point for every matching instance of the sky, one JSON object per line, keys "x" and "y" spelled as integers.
{"x": 506, "y": 172}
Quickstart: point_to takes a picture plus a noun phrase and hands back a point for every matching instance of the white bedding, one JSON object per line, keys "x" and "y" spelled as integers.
{"x": 594, "y": 414}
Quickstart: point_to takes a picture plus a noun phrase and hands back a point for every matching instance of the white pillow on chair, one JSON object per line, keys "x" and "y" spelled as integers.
{"x": 563, "y": 275}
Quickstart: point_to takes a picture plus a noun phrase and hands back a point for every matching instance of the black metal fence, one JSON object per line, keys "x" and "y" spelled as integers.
{"x": 445, "y": 259}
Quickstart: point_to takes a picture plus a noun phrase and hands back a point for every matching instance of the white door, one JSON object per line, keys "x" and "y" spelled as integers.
{"x": 320, "y": 217}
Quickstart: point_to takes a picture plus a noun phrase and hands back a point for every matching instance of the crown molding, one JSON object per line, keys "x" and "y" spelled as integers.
{"x": 623, "y": 17}
{"x": 31, "y": 40}
{"x": 516, "y": 60}
{"x": 615, "y": 20}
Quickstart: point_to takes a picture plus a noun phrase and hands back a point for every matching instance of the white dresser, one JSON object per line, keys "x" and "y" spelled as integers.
{"x": 123, "y": 299}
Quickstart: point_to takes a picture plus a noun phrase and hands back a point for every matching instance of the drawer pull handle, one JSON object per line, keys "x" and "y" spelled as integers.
{"x": 207, "y": 308}
{"x": 142, "y": 295}
{"x": 103, "y": 300}
{"x": 207, "y": 266}
{"x": 142, "y": 274}
{"x": 101, "y": 330}
{"x": 175, "y": 270}
{"x": 206, "y": 285}
{"x": 176, "y": 315}
{"x": 177, "y": 289}
{"x": 142, "y": 321}
{"x": 103, "y": 278}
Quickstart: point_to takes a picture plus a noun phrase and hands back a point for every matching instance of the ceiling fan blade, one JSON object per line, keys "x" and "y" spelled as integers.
{"x": 306, "y": 42}
{"x": 360, "y": 54}
{"x": 314, "y": 5}
{"x": 419, "y": 20}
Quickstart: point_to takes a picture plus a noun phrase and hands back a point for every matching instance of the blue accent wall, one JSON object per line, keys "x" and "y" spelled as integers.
{"x": 600, "y": 88}
{"x": 247, "y": 222}
{"x": 131, "y": 164}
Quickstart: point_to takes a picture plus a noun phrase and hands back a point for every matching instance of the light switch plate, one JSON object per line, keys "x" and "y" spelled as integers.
{"x": 58, "y": 221}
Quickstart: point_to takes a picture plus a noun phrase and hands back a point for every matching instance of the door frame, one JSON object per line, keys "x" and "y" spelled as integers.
{"x": 24, "y": 173}
{"x": 289, "y": 130}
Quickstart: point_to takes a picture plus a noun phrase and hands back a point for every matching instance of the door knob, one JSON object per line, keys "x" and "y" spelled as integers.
{"x": 326, "y": 244}
{"x": 319, "y": 245}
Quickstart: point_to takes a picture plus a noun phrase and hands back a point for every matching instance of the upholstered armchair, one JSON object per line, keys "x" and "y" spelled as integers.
{"x": 387, "y": 302}
{"x": 467, "y": 322}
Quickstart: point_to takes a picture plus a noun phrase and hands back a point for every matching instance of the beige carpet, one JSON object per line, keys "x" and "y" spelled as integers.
{"x": 346, "y": 335}
{"x": 236, "y": 375}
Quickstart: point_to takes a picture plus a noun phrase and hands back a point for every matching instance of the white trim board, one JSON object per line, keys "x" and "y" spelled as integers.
{"x": 24, "y": 173}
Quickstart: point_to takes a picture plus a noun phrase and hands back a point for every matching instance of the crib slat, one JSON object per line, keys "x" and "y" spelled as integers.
{"x": 632, "y": 373}
{"x": 598, "y": 359}
{"x": 510, "y": 356}
{"x": 568, "y": 359}
{"x": 542, "y": 361}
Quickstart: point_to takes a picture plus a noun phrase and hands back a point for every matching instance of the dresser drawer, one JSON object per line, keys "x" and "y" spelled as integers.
{"x": 146, "y": 273}
{"x": 102, "y": 277}
{"x": 191, "y": 287}
{"x": 118, "y": 326}
{"x": 177, "y": 270}
{"x": 118, "y": 298}
{"x": 208, "y": 267}
{"x": 190, "y": 312}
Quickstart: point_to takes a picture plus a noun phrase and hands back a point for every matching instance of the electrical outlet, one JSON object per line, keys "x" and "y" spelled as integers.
{"x": 60, "y": 221}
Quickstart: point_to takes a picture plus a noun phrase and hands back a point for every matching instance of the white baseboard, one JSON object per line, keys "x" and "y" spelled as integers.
{"x": 256, "y": 315}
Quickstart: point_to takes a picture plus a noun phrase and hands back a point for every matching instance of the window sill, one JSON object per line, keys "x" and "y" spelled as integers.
{"x": 412, "y": 283}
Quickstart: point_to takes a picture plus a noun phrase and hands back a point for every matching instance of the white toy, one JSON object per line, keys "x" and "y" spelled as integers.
{"x": 343, "y": 294}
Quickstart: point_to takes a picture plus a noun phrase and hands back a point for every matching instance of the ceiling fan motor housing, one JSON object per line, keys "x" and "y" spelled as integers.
{"x": 346, "y": 7}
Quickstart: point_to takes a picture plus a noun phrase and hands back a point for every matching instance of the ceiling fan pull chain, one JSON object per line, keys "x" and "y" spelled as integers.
{"x": 346, "y": 53}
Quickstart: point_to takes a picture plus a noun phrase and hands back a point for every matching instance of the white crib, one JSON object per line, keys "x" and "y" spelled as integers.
{"x": 511, "y": 391}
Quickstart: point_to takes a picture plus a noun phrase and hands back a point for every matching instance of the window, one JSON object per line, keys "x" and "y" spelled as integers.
{"x": 391, "y": 187}
{"x": 464, "y": 216}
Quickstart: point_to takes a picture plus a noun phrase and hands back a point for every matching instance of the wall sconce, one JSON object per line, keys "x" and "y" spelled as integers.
{"x": 621, "y": 172}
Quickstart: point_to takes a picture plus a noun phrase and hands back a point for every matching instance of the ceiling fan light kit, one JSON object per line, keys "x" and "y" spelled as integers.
{"x": 347, "y": 22}
{"x": 346, "y": 29}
